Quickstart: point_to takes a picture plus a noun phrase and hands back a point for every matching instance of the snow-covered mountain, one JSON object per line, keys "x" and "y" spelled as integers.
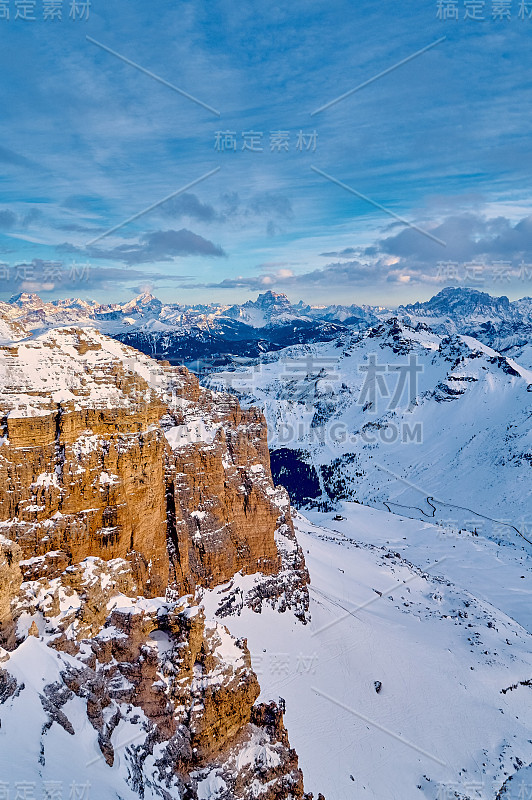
{"x": 189, "y": 334}
{"x": 273, "y": 309}
{"x": 419, "y": 440}
{"x": 269, "y": 308}
{"x": 397, "y": 414}
{"x": 124, "y": 489}
{"x": 498, "y": 322}
{"x": 470, "y": 307}
{"x": 207, "y": 336}
{"x": 216, "y": 334}
{"x": 404, "y": 671}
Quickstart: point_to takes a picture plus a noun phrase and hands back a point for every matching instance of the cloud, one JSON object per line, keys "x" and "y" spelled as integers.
{"x": 189, "y": 205}
{"x": 262, "y": 204}
{"x": 82, "y": 202}
{"x": 271, "y": 204}
{"x": 272, "y": 207}
{"x": 352, "y": 273}
{"x": 231, "y": 207}
{"x": 347, "y": 252}
{"x": 8, "y": 156}
{"x": 8, "y": 220}
{"x": 467, "y": 237}
{"x": 153, "y": 247}
{"x": 77, "y": 277}
{"x": 32, "y": 216}
{"x": 269, "y": 265}
{"x": 74, "y": 227}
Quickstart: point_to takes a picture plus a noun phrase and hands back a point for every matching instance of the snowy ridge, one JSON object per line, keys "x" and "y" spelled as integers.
{"x": 464, "y": 412}
{"x": 218, "y": 333}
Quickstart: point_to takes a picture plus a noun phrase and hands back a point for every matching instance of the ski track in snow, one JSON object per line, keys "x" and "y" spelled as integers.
{"x": 444, "y": 641}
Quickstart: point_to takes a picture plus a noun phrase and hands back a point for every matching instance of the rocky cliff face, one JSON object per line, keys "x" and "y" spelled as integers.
{"x": 124, "y": 489}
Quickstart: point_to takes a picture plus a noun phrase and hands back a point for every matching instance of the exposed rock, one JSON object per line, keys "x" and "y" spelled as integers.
{"x": 183, "y": 684}
{"x": 8, "y": 686}
{"x": 126, "y": 488}
{"x": 10, "y": 580}
{"x": 132, "y": 459}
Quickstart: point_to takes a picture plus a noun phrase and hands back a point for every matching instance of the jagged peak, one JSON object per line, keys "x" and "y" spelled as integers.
{"x": 24, "y": 298}
{"x": 144, "y": 300}
{"x": 146, "y": 297}
{"x": 271, "y": 298}
{"x": 455, "y": 296}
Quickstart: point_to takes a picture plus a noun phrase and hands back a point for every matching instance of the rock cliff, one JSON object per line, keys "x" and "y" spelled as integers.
{"x": 126, "y": 488}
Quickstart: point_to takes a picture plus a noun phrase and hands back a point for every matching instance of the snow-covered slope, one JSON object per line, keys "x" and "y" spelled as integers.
{"x": 398, "y": 414}
{"x": 440, "y": 619}
{"x": 11, "y": 330}
{"x": 70, "y": 364}
{"x": 414, "y": 677}
{"x": 107, "y": 718}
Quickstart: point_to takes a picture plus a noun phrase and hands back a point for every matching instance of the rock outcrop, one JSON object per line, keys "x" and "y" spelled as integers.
{"x": 126, "y": 489}
{"x": 107, "y": 453}
{"x": 10, "y": 581}
{"x": 170, "y": 696}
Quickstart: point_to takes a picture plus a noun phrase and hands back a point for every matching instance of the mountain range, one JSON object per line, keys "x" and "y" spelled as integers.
{"x": 167, "y": 618}
{"x": 397, "y": 413}
{"x": 210, "y": 336}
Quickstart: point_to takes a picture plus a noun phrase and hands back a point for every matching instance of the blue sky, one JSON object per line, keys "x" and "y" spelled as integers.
{"x": 442, "y": 142}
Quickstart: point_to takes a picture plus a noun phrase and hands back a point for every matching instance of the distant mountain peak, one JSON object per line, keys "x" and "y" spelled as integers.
{"x": 25, "y": 298}
{"x": 463, "y": 292}
{"x": 464, "y": 301}
{"x": 270, "y": 298}
{"x": 142, "y": 301}
{"x": 145, "y": 297}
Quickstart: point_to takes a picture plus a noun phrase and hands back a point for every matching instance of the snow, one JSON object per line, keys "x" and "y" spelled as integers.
{"x": 32, "y": 755}
{"x": 81, "y": 363}
{"x": 63, "y": 396}
{"x": 466, "y": 439}
{"x": 194, "y": 431}
{"x": 449, "y": 630}
{"x": 46, "y": 479}
{"x": 417, "y": 589}
{"x": 257, "y": 752}
{"x": 107, "y": 479}
{"x": 519, "y": 785}
{"x": 227, "y": 650}
{"x": 161, "y": 642}
{"x": 211, "y": 787}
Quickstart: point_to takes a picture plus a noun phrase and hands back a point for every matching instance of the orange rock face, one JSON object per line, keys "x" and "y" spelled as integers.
{"x": 87, "y": 494}
{"x": 124, "y": 488}
{"x": 106, "y": 453}
{"x": 10, "y": 581}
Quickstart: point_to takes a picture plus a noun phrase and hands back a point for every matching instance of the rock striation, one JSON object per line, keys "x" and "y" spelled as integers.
{"x": 126, "y": 489}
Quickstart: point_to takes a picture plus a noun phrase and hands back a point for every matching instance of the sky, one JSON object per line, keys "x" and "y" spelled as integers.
{"x": 206, "y": 151}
